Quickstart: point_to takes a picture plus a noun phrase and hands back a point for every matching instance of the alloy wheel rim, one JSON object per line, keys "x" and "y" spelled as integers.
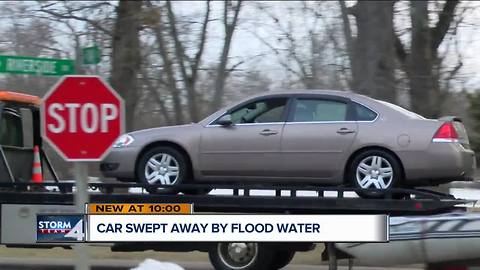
{"x": 374, "y": 172}
{"x": 162, "y": 169}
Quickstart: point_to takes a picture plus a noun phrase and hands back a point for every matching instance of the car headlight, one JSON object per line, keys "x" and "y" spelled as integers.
{"x": 124, "y": 140}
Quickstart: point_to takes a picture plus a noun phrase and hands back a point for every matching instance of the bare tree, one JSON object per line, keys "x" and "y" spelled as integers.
{"x": 310, "y": 52}
{"x": 28, "y": 37}
{"x": 126, "y": 56}
{"x": 371, "y": 52}
{"x": 230, "y": 19}
{"x": 422, "y": 62}
{"x": 181, "y": 60}
{"x": 123, "y": 34}
{"x": 189, "y": 77}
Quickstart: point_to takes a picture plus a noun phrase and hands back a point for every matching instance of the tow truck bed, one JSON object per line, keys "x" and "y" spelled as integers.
{"x": 285, "y": 199}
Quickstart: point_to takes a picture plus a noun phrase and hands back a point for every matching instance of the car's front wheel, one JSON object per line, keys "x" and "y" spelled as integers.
{"x": 162, "y": 165}
{"x": 374, "y": 172}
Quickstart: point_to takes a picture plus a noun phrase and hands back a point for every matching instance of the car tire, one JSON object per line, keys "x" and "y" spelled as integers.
{"x": 374, "y": 171}
{"x": 281, "y": 258}
{"x": 257, "y": 257}
{"x": 165, "y": 162}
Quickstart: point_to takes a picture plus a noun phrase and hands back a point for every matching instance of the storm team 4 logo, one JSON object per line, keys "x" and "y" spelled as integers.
{"x": 60, "y": 228}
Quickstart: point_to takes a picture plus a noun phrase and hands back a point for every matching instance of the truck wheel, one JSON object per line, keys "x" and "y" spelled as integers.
{"x": 240, "y": 256}
{"x": 282, "y": 258}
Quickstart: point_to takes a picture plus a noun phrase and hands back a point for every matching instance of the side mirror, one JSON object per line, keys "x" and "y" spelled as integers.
{"x": 225, "y": 120}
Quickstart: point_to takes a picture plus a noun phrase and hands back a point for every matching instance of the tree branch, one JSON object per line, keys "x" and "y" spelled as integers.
{"x": 168, "y": 64}
{"x": 347, "y": 31}
{"x": 74, "y": 17}
{"x": 444, "y": 21}
{"x": 179, "y": 50}
{"x": 221, "y": 69}
{"x": 400, "y": 50}
{"x": 156, "y": 95}
{"x": 201, "y": 45}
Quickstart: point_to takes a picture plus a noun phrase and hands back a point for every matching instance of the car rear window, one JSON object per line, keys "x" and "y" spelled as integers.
{"x": 364, "y": 113}
{"x": 402, "y": 110}
{"x": 321, "y": 110}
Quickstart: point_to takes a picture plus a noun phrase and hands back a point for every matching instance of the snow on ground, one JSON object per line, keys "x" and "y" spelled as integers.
{"x": 150, "y": 264}
{"x": 257, "y": 192}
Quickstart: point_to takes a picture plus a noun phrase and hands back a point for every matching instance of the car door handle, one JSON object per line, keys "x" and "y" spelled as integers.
{"x": 268, "y": 132}
{"x": 345, "y": 131}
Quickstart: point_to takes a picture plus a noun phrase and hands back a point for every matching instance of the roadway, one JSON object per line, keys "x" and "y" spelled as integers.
{"x": 119, "y": 264}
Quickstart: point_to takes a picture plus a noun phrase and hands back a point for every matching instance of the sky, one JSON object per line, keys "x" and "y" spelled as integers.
{"x": 253, "y": 22}
{"x": 247, "y": 45}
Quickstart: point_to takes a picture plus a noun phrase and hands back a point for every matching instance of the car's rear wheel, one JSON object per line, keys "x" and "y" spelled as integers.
{"x": 241, "y": 256}
{"x": 374, "y": 172}
{"x": 162, "y": 165}
{"x": 282, "y": 258}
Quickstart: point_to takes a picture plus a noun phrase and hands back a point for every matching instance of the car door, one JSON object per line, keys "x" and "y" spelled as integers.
{"x": 317, "y": 137}
{"x": 249, "y": 148}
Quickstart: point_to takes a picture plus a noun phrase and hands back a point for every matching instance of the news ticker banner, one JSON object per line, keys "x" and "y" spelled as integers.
{"x": 177, "y": 223}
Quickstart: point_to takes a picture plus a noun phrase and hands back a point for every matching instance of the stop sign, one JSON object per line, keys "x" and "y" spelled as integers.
{"x": 82, "y": 116}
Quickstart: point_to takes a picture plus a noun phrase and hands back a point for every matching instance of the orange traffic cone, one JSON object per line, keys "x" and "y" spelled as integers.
{"x": 37, "y": 175}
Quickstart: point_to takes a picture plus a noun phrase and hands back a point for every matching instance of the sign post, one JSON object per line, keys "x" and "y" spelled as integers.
{"x": 82, "y": 116}
{"x": 81, "y": 199}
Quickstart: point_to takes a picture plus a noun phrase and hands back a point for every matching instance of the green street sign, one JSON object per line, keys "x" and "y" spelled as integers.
{"x": 91, "y": 55}
{"x": 36, "y": 65}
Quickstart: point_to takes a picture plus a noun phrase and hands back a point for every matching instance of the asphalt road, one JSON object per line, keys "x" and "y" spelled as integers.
{"x": 116, "y": 264}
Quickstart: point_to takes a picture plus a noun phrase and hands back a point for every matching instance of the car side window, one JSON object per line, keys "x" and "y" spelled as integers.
{"x": 312, "y": 110}
{"x": 11, "y": 132}
{"x": 364, "y": 113}
{"x": 261, "y": 111}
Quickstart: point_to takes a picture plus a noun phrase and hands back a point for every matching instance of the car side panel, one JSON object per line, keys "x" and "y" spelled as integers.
{"x": 424, "y": 162}
{"x": 440, "y": 161}
{"x": 185, "y": 136}
{"x": 316, "y": 151}
{"x": 428, "y": 162}
{"x": 239, "y": 151}
{"x": 371, "y": 134}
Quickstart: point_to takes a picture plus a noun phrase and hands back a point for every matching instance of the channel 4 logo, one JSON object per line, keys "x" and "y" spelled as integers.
{"x": 60, "y": 228}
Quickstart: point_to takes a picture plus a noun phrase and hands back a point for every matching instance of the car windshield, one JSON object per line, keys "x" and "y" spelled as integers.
{"x": 402, "y": 110}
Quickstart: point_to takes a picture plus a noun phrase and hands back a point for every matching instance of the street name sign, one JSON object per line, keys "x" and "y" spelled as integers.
{"x": 36, "y": 65}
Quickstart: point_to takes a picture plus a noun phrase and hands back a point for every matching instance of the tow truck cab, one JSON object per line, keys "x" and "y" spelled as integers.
{"x": 19, "y": 133}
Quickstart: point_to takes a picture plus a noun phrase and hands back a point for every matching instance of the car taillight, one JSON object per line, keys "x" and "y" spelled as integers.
{"x": 446, "y": 133}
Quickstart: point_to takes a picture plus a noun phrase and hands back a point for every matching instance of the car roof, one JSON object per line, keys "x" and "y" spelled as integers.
{"x": 339, "y": 93}
{"x": 10, "y": 96}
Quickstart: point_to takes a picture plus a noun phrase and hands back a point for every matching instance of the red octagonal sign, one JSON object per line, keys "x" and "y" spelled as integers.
{"x": 82, "y": 116}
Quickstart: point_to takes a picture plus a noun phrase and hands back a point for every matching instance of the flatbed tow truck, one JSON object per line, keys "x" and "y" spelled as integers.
{"x": 21, "y": 200}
